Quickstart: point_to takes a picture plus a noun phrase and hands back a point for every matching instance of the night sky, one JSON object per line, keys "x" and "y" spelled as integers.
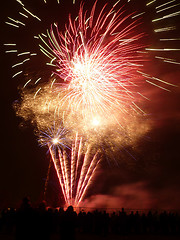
{"x": 147, "y": 174}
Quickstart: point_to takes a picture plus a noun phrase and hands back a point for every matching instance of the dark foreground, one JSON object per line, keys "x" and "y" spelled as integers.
{"x": 96, "y": 237}
{"x": 27, "y": 223}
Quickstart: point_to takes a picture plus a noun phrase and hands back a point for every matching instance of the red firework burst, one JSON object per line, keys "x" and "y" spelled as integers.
{"x": 97, "y": 59}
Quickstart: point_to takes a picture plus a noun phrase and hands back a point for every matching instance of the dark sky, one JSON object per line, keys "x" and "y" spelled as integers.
{"x": 148, "y": 179}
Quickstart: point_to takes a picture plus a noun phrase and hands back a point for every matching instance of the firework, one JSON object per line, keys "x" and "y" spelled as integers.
{"x": 89, "y": 86}
{"x": 74, "y": 171}
{"x": 97, "y": 61}
{"x": 54, "y": 137}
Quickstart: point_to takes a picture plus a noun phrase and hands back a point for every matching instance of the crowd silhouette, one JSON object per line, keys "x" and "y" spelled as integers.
{"x": 42, "y": 222}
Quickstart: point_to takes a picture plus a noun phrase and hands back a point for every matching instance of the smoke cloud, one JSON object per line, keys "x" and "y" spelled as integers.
{"x": 135, "y": 196}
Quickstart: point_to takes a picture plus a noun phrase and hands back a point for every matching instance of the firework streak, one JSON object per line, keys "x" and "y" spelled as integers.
{"x": 74, "y": 172}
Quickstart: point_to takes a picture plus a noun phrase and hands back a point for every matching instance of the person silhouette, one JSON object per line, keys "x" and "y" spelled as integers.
{"x": 68, "y": 224}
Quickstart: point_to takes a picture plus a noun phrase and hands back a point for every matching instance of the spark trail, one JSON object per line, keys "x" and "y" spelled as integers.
{"x": 75, "y": 172}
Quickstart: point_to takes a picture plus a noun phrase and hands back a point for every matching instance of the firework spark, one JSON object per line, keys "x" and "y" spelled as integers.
{"x": 56, "y": 136}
